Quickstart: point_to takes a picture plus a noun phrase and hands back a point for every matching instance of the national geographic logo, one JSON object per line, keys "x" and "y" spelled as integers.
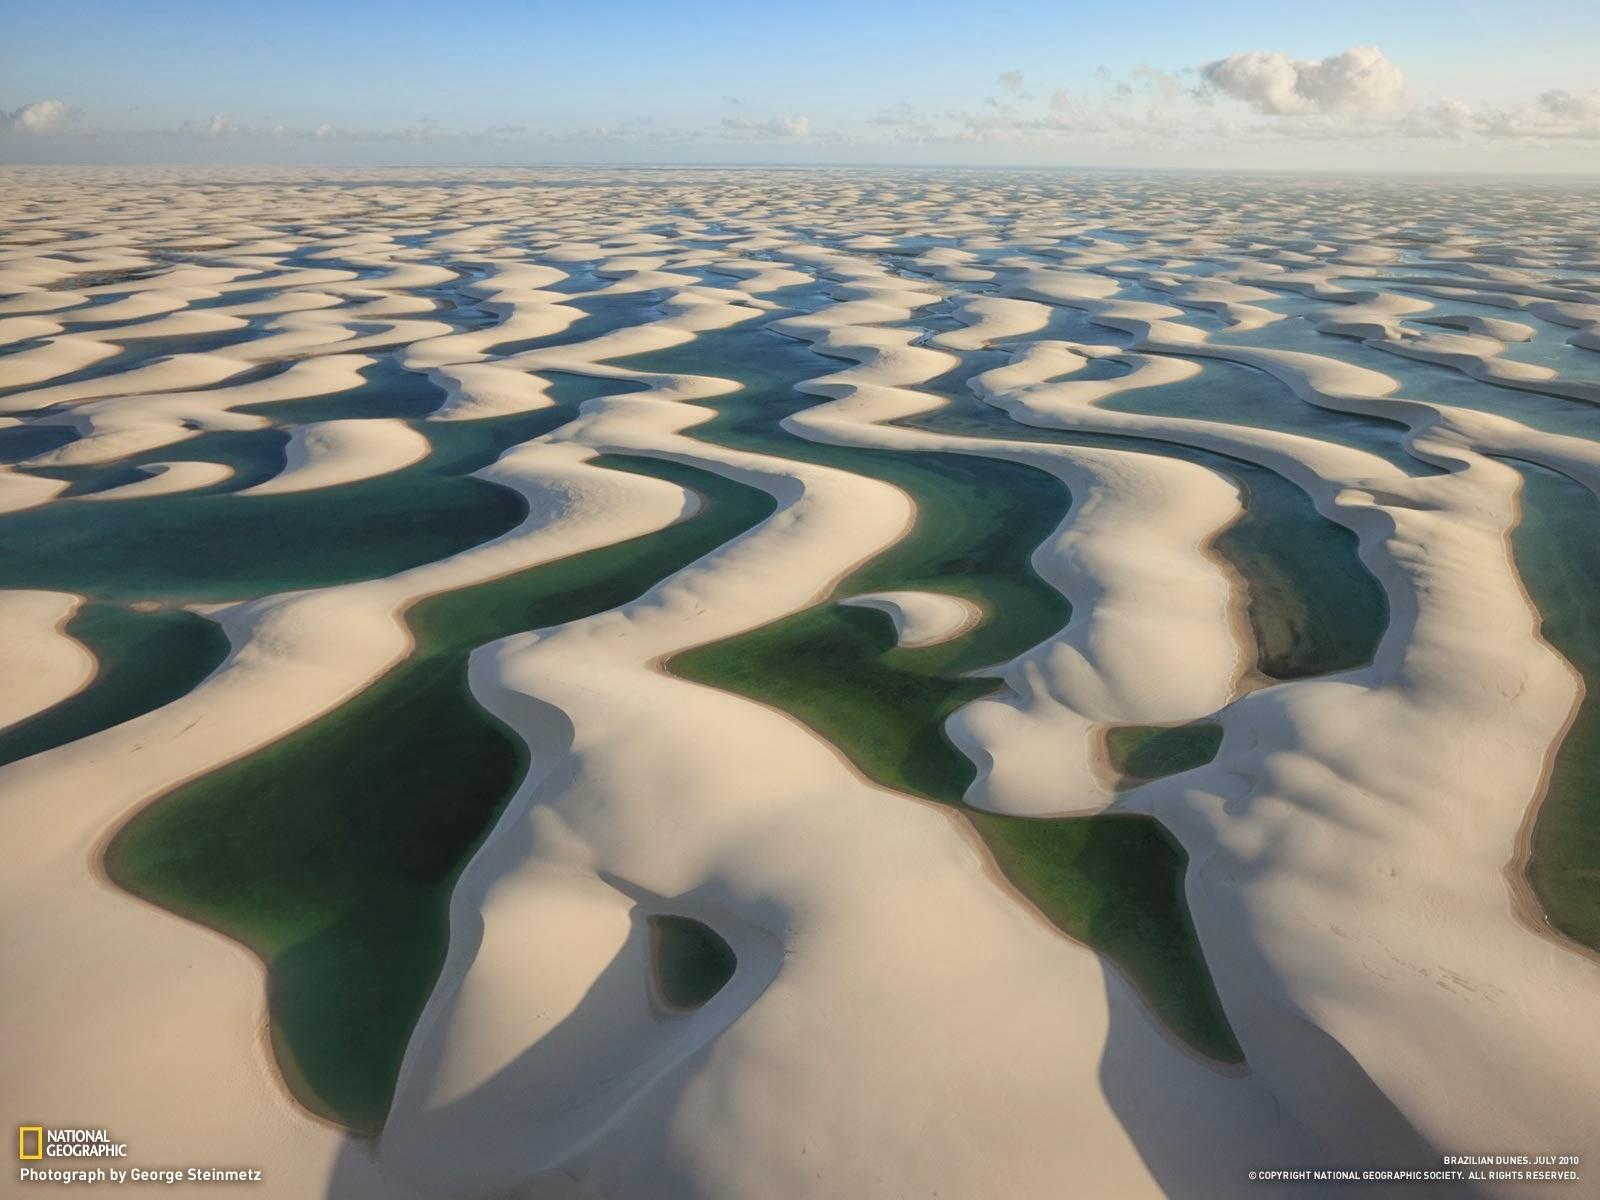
{"x": 36, "y": 1143}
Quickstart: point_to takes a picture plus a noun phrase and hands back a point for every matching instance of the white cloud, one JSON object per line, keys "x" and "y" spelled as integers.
{"x": 1361, "y": 80}
{"x": 1553, "y": 116}
{"x": 40, "y": 117}
{"x": 1562, "y": 104}
{"x": 1446, "y": 119}
{"x": 1167, "y": 87}
{"x": 1010, "y": 80}
{"x": 221, "y": 127}
{"x": 777, "y": 127}
{"x": 1557, "y": 113}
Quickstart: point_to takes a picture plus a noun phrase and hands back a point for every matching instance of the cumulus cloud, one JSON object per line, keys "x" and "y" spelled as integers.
{"x": 40, "y": 117}
{"x": 1448, "y": 118}
{"x": 1361, "y": 80}
{"x": 777, "y": 127}
{"x": 1571, "y": 106}
{"x": 1560, "y": 113}
{"x": 1010, "y": 80}
{"x": 1554, "y": 115}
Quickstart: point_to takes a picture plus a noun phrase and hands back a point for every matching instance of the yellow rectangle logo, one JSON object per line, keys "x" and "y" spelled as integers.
{"x": 22, "y": 1142}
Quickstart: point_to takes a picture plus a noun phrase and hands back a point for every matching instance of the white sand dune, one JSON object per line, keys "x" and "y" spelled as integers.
{"x": 591, "y": 804}
{"x": 165, "y": 479}
{"x": 899, "y": 1021}
{"x": 1467, "y": 504}
{"x": 19, "y": 491}
{"x": 1141, "y": 607}
{"x": 921, "y": 618}
{"x": 990, "y": 317}
{"x": 41, "y": 664}
{"x": 182, "y": 1069}
{"x": 328, "y": 453}
{"x": 117, "y": 426}
{"x": 476, "y": 390}
{"x": 26, "y": 329}
{"x": 56, "y": 356}
{"x": 166, "y": 374}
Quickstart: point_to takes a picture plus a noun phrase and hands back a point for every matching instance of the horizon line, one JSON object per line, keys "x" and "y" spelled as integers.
{"x": 745, "y": 164}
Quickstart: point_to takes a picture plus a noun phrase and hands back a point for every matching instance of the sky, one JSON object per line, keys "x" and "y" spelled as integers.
{"x": 1403, "y": 85}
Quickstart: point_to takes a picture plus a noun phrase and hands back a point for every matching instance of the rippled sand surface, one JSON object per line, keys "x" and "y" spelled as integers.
{"x": 735, "y": 683}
